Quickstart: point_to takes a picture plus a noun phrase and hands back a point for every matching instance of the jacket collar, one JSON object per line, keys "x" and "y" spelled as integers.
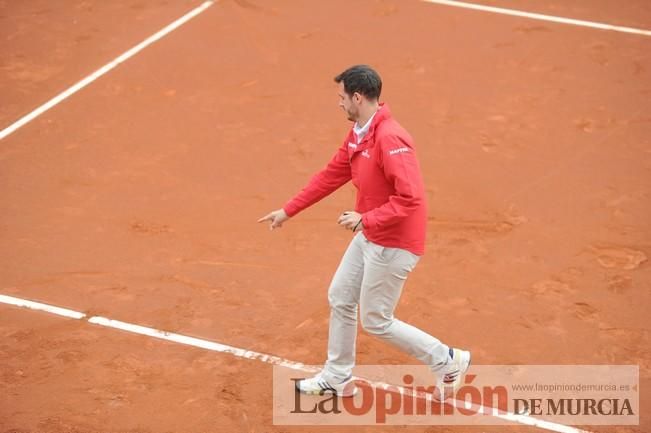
{"x": 381, "y": 115}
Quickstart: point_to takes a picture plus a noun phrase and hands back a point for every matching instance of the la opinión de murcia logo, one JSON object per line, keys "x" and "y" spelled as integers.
{"x": 382, "y": 401}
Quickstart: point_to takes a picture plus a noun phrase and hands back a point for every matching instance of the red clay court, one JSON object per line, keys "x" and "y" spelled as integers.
{"x": 136, "y": 197}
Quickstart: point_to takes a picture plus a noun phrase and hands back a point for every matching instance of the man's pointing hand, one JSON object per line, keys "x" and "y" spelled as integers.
{"x": 277, "y": 218}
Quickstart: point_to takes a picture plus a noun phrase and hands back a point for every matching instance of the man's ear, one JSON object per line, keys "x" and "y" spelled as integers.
{"x": 357, "y": 97}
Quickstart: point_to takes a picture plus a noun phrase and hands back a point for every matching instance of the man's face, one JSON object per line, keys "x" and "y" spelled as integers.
{"x": 350, "y": 104}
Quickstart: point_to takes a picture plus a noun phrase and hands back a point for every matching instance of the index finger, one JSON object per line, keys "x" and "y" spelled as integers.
{"x": 266, "y": 218}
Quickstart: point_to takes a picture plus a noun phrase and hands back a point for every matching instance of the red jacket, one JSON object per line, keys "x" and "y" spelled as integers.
{"x": 386, "y": 173}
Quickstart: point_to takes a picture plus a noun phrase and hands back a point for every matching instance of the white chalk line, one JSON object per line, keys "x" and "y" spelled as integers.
{"x": 257, "y": 356}
{"x": 104, "y": 69}
{"x": 41, "y": 307}
{"x": 198, "y": 342}
{"x": 541, "y": 17}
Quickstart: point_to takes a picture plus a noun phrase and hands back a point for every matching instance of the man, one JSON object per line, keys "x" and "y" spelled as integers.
{"x": 390, "y": 221}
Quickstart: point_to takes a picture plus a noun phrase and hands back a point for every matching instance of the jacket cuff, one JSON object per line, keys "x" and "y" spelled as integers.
{"x": 291, "y": 209}
{"x": 369, "y": 221}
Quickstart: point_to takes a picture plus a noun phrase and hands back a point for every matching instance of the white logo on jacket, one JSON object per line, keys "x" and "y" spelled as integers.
{"x": 399, "y": 150}
{"x": 365, "y": 154}
{"x": 353, "y": 145}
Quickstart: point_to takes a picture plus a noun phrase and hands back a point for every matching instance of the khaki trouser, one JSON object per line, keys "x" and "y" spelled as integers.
{"x": 372, "y": 276}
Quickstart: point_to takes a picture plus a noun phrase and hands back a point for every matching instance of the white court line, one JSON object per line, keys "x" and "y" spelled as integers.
{"x": 542, "y": 17}
{"x": 104, "y": 69}
{"x": 198, "y": 342}
{"x": 41, "y": 307}
{"x": 262, "y": 357}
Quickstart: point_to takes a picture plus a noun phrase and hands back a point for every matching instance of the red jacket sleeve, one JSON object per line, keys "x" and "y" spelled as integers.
{"x": 402, "y": 171}
{"x": 325, "y": 182}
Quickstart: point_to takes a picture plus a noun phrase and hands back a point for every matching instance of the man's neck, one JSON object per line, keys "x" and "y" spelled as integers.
{"x": 367, "y": 113}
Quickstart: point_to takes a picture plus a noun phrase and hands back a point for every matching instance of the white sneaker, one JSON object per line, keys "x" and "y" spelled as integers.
{"x": 317, "y": 385}
{"x": 451, "y": 376}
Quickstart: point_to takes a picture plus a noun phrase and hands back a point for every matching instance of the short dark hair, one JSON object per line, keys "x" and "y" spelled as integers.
{"x": 361, "y": 79}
